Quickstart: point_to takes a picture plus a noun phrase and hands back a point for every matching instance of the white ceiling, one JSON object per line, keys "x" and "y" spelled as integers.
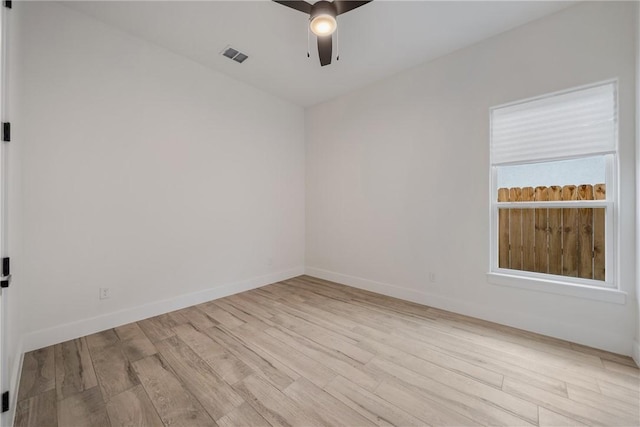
{"x": 376, "y": 40}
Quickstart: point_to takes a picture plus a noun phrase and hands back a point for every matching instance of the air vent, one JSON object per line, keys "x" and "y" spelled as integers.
{"x": 234, "y": 54}
{"x": 240, "y": 57}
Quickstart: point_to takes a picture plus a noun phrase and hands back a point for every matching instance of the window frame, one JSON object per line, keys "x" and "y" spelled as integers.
{"x": 546, "y": 281}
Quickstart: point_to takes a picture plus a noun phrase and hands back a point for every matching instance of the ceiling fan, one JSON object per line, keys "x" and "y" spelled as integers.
{"x": 322, "y": 20}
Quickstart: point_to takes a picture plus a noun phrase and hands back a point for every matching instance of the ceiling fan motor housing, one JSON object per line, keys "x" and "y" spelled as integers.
{"x": 322, "y": 20}
{"x": 323, "y": 8}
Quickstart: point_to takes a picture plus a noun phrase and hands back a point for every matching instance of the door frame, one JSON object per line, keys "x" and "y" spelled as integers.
{"x": 4, "y": 246}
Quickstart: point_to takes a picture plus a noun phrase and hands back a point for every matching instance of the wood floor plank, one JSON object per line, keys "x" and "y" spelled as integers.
{"x": 215, "y": 395}
{"x": 221, "y": 316}
{"x": 416, "y": 348}
{"x": 376, "y": 300}
{"x": 86, "y": 408}
{"x": 314, "y": 289}
{"x": 198, "y": 319}
{"x": 325, "y": 406}
{"x": 225, "y": 364}
{"x": 428, "y": 411}
{"x": 572, "y": 369}
{"x": 304, "y": 324}
{"x": 583, "y": 413}
{"x": 337, "y": 362}
{"x": 332, "y": 340}
{"x": 248, "y": 303}
{"x": 340, "y": 326}
{"x": 37, "y": 411}
{"x": 474, "y": 400}
{"x": 356, "y": 315}
{"x": 38, "y": 373}
{"x": 621, "y": 393}
{"x": 130, "y": 331}
{"x": 177, "y": 317}
{"x": 599, "y": 400}
{"x": 113, "y": 369}
{"x": 102, "y": 339}
{"x": 133, "y": 408}
{"x": 496, "y": 361}
{"x": 527, "y": 344}
{"x": 605, "y": 355}
{"x": 138, "y": 348}
{"x": 272, "y": 370}
{"x": 242, "y": 313}
{"x": 370, "y": 406}
{"x": 74, "y": 368}
{"x": 623, "y": 380}
{"x": 395, "y": 348}
{"x": 135, "y": 343}
{"x": 275, "y": 351}
{"x": 243, "y": 415}
{"x": 175, "y": 405}
{"x": 157, "y": 328}
{"x": 274, "y": 291}
{"x": 382, "y": 316}
{"x": 273, "y": 405}
{"x": 553, "y": 419}
{"x": 621, "y": 368}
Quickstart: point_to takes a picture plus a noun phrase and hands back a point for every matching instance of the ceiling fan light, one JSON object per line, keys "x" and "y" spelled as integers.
{"x": 323, "y": 25}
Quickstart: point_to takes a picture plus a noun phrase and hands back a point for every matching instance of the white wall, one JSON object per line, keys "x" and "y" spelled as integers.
{"x": 398, "y": 174}
{"x": 148, "y": 174}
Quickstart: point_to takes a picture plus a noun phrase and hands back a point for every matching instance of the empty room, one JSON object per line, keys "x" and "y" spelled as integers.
{"x": 319, "y": 213}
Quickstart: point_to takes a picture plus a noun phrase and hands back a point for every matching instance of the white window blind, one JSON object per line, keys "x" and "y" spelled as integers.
{"x": 576, "y": 123}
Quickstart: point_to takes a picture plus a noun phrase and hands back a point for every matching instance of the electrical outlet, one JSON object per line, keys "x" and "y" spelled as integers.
{"x": 105, "y": 293}
{"x": 432, "y": 277}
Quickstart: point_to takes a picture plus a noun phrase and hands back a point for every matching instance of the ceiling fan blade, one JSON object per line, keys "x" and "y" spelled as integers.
{"x": 344, "y": 6}
{"x": 300, "y": 5}
{"x": 324, "y": 49}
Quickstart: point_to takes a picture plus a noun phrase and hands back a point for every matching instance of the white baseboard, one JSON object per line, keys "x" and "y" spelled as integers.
{"x": 69, "y": 331}
{"x": 574, "y": 333}
{"x": 636, "y": 352}
{"x": 8, "y": 418}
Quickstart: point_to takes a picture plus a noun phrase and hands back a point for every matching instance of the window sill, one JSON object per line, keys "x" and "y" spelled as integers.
{"x": 557, "y": 287}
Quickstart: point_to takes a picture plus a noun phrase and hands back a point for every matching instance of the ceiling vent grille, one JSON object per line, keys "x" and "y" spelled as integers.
{"x": 234, "y": 54}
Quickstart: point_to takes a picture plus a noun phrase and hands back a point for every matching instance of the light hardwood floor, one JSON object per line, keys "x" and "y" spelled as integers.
{"x": 309, "y": 352}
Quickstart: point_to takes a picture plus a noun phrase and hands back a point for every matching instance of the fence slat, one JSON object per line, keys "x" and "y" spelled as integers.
{"x": 555, "y": 231}
{"x": 528, "y": 232}
{"x": 585, "y": 234}
{"x": 569, "y": 233}
{"x": 560, "y": 241}
{"x": 599, "y": 191}
{"x": 541, "y": 232}
{"x": 503, "y": 230}
{"x": 515, "y": 230}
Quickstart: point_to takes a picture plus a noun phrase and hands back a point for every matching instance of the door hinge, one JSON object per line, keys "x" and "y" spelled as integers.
{"x": 6, "y": 131}
{"x": 7, "y": 4}
{"x": 6, "y": 273}
{"x": 5, "y": 401}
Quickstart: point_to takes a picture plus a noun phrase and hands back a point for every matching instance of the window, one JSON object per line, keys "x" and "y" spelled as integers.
{"x": 553, "y": 168}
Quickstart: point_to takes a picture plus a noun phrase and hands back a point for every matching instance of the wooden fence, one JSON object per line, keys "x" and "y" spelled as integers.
{"x": 563, "y": 241}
